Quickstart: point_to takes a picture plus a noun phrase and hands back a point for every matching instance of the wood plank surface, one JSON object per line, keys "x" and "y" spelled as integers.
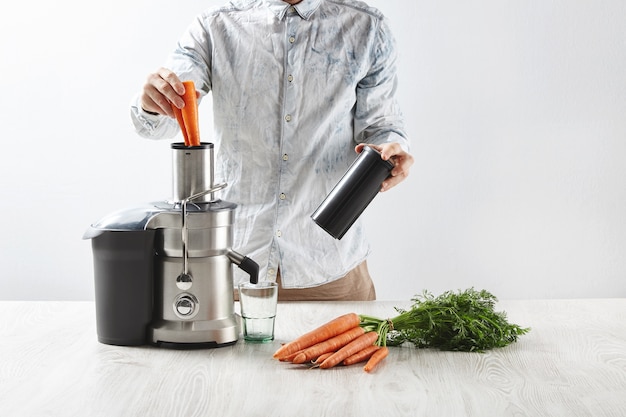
{"x": 572, "y": 363}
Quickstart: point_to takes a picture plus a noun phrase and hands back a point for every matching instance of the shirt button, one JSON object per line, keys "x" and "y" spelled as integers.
{"x": 290, "y": 78}
{"x": 292, "y": 9}
{"x": 271, "y": 272}
{"x": 288, "y": 118}
{"x": 279, "y": 233}
{"x": 292, "y": 39}
{"x": 285, "y": 157}
{"x": 282, "y": 196}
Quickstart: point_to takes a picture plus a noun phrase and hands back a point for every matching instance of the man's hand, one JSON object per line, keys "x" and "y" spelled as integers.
{"x": 401, "y": 160}
{"x": 162, "y": 89}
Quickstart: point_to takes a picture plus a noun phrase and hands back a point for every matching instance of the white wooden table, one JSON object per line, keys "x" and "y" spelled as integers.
{"x": 572, "y": 363}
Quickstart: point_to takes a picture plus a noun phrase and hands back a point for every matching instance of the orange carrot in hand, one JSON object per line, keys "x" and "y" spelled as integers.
{"x": 324, "y": 332}
{"x": 190, "y": 113}
{"x": 328, "y": 345}
{"x": 350, "y": 349}
{"x": 361, "y": 356}
{"x": 179, "y": 117}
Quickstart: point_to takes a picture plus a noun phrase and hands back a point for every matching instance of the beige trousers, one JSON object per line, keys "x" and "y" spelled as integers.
{"x": 356, "y": 285}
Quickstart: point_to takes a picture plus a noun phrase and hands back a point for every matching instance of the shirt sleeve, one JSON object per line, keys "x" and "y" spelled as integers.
{"x": 151, "y": 126}
{"x": 190, "y": 60}
{"x": 378, "y": 118}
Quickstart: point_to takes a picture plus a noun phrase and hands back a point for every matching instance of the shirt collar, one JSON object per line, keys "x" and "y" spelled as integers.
{"x": 305, "y": 8}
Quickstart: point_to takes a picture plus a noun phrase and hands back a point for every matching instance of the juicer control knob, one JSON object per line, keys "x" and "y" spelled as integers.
{"x": 186, "y": 306}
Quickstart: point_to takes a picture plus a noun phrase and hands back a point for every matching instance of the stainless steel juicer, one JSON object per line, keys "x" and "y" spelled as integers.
{"x": 163, "y": 271}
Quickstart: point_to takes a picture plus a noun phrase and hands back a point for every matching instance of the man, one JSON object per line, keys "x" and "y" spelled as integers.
{"x": 297, "y": 87}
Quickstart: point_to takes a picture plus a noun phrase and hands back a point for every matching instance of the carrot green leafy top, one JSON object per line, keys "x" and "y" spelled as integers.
{"x": 458, "y": 321}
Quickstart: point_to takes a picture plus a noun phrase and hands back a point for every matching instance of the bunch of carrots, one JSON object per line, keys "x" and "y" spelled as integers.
{"x": 187, "y": 117}
{"x": 341, "y": 341}
{"x": 454, "y": 321}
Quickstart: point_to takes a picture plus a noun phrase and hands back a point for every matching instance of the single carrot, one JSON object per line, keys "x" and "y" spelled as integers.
{"x": 361, "y": 356}
{"x": 289, "y": 358}
{"x": 350, "y": 349}
{"x": 328, "y": 345}
{"x": 190, "y": 113}
{"x": 179, "y": 117}
{"x": 378, "y": 356}
{"x": 324, "y": 332}
{"x": 317, "y": 362}
{"x": 321, "y": 358}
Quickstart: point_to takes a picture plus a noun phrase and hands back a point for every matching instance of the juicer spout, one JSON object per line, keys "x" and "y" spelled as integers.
{"x": 245, "y": 264}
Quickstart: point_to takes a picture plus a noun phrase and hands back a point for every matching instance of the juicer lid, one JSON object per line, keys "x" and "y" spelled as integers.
{"x": 134, "y": 218}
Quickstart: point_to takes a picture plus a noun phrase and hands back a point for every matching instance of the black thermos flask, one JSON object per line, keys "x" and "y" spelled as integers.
{"x": 353, "y": 193}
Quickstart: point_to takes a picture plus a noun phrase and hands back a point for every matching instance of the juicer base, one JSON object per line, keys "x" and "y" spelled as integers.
{"x": 191, "y": 346}
{"x": 194, "y": 334}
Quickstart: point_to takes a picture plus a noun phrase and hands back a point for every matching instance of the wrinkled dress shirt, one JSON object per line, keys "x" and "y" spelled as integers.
{"x": 294, "y": 89}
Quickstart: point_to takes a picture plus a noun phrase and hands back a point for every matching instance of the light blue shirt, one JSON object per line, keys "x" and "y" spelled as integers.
{"x": 294, "y": 89}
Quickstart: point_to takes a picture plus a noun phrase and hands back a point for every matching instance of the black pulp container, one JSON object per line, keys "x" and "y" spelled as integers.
{"x": 353, "y": 193}
{"x": 123, "y": 268}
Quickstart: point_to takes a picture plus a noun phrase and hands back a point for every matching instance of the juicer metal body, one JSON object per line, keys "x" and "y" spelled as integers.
{"x": 200, "y": 308}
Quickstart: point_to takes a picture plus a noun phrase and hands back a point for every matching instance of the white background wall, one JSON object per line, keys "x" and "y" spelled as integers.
{"x": 517, "y": 110}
